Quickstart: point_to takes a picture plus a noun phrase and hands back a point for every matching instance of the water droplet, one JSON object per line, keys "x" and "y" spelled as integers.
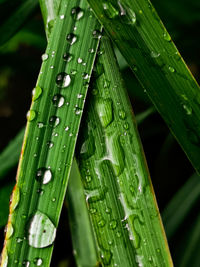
{"x": 154, "y": 54}
{"x": 37, "y": 91}
{"x": 54, "y": 121}
{"x": 58, "y": 100}
{"x": 101, "y": 223}
{"x": 45, "y": 57}
{"x": 95, "y": 194}
{"x": 88, "y": 178}
{"x": 31, "y": 114}
{"x": 43, "y": 175}
{"x": 53, "y": 199}
{"x": 26, "y": 263}
{"x": 93, "y": 210}
{"x": 105, "y": 111}
{"x": 50, "y": 144}
{"x": 79, "y": 96}
{"x": 38, "y": 261}
{"x": 113, "y": 224}
{"x": 9, "y": 230}
{"x": 106, "y": 256}
{"x": 63, "y": 80}
{"x": 79, "y": 60}
{"x": 42, "y": 231}
{"x": 166, "y": 36}
{"x": 91, "y": 51}
{"x": 127, "y": 14}
{"x": 67, "y": 57}
{"x": 71, "y": 38}
{"x": 40, "y": 125}
{"x": 51, "y": 67}
{"x": 109, "y": 10}
{"x": 97, "y": 34}
{"x": 88, "y": 147}
{"x": 122, "y": 114}
{"x": 188, "y": 109}
{"x": 77, "y": 13}
{"x": 67, "y": 128}
{"x": 171, "y": 69}
{"x": 126, "y": 126}
{"x": 85, "y": 76}
{"x": 62, "y": 16}
{"x": 78, "y": 111}
{"x": 14, "y": 200}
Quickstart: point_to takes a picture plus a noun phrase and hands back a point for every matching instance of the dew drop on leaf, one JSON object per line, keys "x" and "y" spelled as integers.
{"x": 63, "y": 80}
{"x": 109, "y": 10}
{"x": 41, "y": 232}
{"x": 31, "y": 115}
{"x": 97, "y": 34}
{"x": 77, "y": 13}
{"x": 54, "y": 121}
{"x": 104, "y": 110}
{"x": 43, "y": 175}
{"x": 122, "y": 114}
{"x": 113, "y": 224}
{"x": 9, "y": 230}
{"x": 171, "y": 69}
{"x": 58, "y": 100}
{"x": 106, "y": 256}
{"x": 67, "y": 57}
{"x": 45, "y": 57}
{"x": 154, "y": 54}
{"x": 71, "y": 38}
{"x": 14, "y": 200}
{"x": 166, "y": 36}
{"x": 37, "y": 91}
{"x": 38, "y": 261}
{"x": 40, "y": 125}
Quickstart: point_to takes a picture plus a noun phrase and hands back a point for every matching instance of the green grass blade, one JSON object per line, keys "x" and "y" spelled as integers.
{"x": 81, "y": 230}
{"x": 137, "y": 31}
{"x": 16, "y": 20}
{"x": 10, "y": 155}
{"x": 116, "y": 181}
{"x": 180, "y": 205}
{"x": 50, "y": 137}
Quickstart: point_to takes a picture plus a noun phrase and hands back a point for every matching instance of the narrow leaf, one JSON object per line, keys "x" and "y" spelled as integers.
{"x": 139, "y": 34}
{"x": 53, "y": 123}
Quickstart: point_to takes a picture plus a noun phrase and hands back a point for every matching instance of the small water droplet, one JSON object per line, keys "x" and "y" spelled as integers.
{"x": 91, "y": 51}
{"x": 67, "y": 57}
{"x": 26, "y": 263}
{"x": 14, "y": 200}
{"x": 85, "y": 76}
{"x": 63, "y": 80}
{"x": 77, "y": 13}
{"x": 53, "y": 199}
{"x": 62, "y": 16}
{"x": 126, "y": 126}
{"x": 171, "y": 69}
{"x": 71, "y": 38}
{"x": 101, "y": 223}
{"x": 122, "y": 114}
{"x": 67, "y": 128}
{"x": 51, "y": 67}
{"x": 188, "y": 109}
{"x": 127, "y": 14}
{"x": 43, "y": 175}
{"x": 97, "y": 34}
{"x": 58, "y": 100}
{"x": 113, "y": 224}
{"x": 31, "y": 115}
{"x": 40, "y": 125}
{"x": 38, "y": 261}
{"x": 79, "y": 96}
{"x": 88, "y": 178}
{"x": 78, "y": 111}
{"x": 54, "y": 121}
{"x": 93, "y": 210}
{"x": 45, "y": 57}
{"x": 79, "y": 60}
{"x": 154, "y": 54}
{"x": 166, "y": 36}
{"x": 42, "y": 231}
{"x": 109, "y": 10}
{"x": 37, "y": 91}
{"x": 50, "y": 144}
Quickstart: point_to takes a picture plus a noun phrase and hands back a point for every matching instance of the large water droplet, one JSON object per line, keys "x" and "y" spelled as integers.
{"x": 54, "y": 121}
{"x": 71, "y": 38}
{"x": 58, "y": 100}
{"x": 31, "y": 115}
{"x": 14, "y": 200}
{"x": 109, "y": 10}
{"x": 42, "y": 231}
{"x": 77, "y": 13}
{"x": 63, "y": 80}
{"x": 37, "y": 91}
{"x": 105, "y": 111}
{"x": 88, "y": 147}
{"x": 9, "y": 230}
{"x": 44, "y": 175}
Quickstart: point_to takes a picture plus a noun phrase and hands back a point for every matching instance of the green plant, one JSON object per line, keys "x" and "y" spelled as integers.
{"x": 122, "y": 222}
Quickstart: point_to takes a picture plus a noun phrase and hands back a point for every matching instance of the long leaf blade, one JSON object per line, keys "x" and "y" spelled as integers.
{"x": 136, "y": 29}
{"x": 52, "y": 129}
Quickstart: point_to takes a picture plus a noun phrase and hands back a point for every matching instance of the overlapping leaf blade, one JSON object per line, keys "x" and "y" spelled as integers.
{"x": 142, "y": 39}
{"x": 50, "y": 136}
